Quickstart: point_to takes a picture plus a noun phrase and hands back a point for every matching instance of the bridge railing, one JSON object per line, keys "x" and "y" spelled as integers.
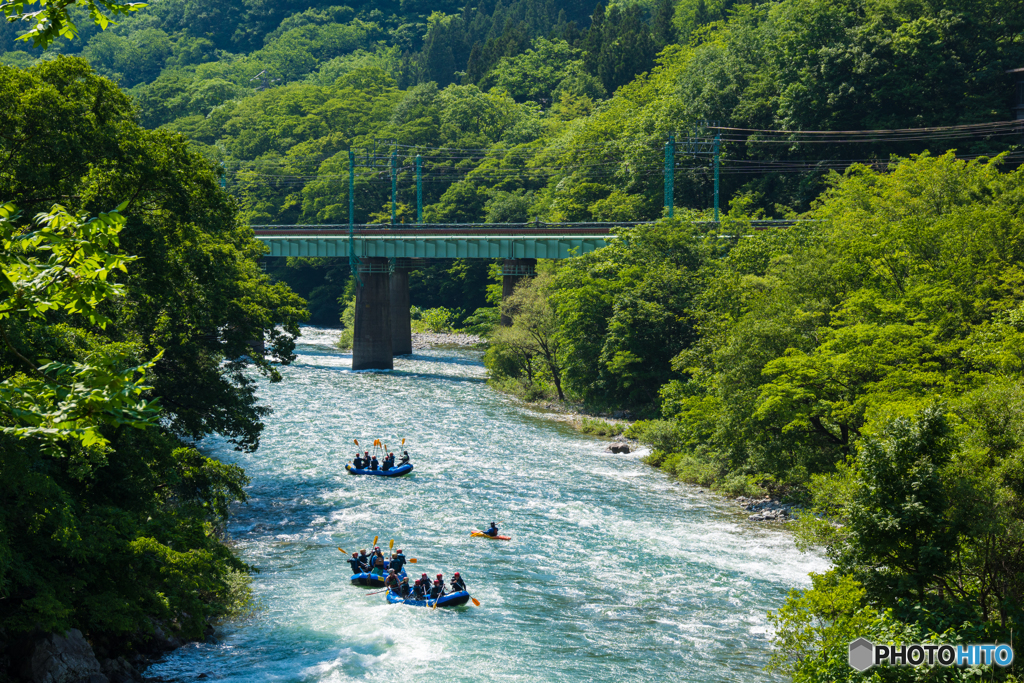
{"x": 531, "y": 227}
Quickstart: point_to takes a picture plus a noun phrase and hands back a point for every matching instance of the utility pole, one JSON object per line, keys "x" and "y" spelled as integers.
{"x": 718, "y": 155}
{"x": 670, "y": 168}
{"x": 394, "y": 183}
{"x": 419, "y": 189}
{"x": 352, "y": 260}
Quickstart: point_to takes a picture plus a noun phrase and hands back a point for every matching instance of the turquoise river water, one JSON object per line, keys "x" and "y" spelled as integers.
{"x": 614, "y": 572}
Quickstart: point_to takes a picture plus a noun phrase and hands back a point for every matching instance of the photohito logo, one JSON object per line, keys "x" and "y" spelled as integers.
{"x": 864, "y": 654}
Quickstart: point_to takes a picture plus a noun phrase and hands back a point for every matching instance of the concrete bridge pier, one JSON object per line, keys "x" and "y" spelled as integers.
{"x": 401, "y": 326}
{"x": 371, "y": 343}
{"x": 512, "y": 271}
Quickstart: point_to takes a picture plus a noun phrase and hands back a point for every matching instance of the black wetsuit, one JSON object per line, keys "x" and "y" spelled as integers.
{"x": 373, "y": 463}
{"x": 398, "y": 563}
{"x": 437, "y": 590}
{"x": 417, "y": 590}
{"x": 364, "y": 563}
{"x": 357, "y": 565}
{"x": 458, "y": 584}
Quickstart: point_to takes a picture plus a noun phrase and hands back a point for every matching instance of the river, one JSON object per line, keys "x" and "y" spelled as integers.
{"x": 614, "y": 572}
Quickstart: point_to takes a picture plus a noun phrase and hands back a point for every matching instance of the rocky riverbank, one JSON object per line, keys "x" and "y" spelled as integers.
{"x": 425, "y": 340}
{"x": 69, "y": 658}
{"x": 766, "y": 509}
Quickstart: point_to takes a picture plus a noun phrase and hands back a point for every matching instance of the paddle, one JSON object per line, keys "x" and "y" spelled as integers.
{"x": 475, "y": 601}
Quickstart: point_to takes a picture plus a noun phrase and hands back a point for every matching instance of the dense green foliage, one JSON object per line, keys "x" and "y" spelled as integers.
{"x": 537, "y": 109}
{"x": 143, "y": 318}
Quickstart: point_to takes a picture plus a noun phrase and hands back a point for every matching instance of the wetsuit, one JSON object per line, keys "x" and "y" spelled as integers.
{"x": 373, "y": 463}
{"x": 364, "y": 563}
{"x": 437, "y": 590}
{"x": 357, "y": 565}
{"x": 398, "y": 562}
{"x": 458, "y": 584}
{"x": 386, "y": 465}
{"x": 417, "y": 590}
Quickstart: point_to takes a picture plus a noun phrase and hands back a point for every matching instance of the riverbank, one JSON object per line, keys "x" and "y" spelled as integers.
{"x": 428, "y": 340}
{"x": 615, "y": 426}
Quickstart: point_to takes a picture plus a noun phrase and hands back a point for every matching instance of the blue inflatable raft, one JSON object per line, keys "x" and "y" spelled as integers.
{"x": 393, "y": 472}
{"x": 373, "y": 580}
{"x": 450, "y": 600}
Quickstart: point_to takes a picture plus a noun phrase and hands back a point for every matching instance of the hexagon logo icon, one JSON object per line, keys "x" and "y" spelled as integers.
{"x": 862, "y": 654}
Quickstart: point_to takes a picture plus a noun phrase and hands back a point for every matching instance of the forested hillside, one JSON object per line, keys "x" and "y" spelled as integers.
{"x": 557, "y": 111}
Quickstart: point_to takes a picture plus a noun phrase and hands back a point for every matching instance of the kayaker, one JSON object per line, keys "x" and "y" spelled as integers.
{"x": 398, "y": 560}
{"x": 357, "y": 564}
{"x": 457, "y": 583}
{"x": 392, "y": 583}
{"x": 373, "y": 463}
{"x": 492, "y": 531}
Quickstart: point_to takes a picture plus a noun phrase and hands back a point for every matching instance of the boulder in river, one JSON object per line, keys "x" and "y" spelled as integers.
{"x": 61, "y": 658}
{"x": 619, "y": 448}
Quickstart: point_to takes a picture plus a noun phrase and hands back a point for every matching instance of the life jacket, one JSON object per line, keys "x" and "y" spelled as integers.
{"x": 398, "y": 563}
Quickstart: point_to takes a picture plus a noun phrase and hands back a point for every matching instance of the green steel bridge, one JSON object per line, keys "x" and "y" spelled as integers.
{"x": 534, "y": 240}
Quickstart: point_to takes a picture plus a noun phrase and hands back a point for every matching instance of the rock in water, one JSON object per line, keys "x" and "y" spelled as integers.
{"x": 64, "y": 658}
{"x": 619, "y": 448}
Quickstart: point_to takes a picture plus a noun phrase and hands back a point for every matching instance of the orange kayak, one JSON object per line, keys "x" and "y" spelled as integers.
{"x": 480, "y": 534}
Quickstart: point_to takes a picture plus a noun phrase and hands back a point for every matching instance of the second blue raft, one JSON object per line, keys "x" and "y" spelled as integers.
{"x": 450, "y": 600}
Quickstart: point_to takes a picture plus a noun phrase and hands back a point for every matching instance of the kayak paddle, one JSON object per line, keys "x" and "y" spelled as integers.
{"x": 475, "y": 601}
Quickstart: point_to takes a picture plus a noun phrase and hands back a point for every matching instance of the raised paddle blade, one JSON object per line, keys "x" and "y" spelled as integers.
{"x": 355, "y": 441}
{"x": 391, "y": 545}
{"x": 412, "y": 560}
{"x": 475, "y": 601}
{"x": 403, "y": 440}
{"x": 340, "y": 550}
{"x": 375, "y": 541}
